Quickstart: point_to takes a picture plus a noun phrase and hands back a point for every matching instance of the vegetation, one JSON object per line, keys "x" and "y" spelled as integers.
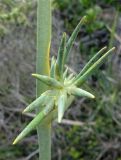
{"x": 99, "y": 135}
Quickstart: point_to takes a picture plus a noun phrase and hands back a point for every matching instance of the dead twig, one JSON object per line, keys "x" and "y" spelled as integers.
{"x": 30, "y": 156}
{"x": 64, "y": 121}
{"x": 76, "y": 123}
{"x": 114, "y": 34}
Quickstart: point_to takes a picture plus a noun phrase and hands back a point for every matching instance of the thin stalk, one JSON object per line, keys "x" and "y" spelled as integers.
{"x": 42, "y": 67}
{"x": 113, "y": 30}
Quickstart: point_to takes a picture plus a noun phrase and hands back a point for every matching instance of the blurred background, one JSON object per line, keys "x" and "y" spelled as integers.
{"x": 91, "y": 129}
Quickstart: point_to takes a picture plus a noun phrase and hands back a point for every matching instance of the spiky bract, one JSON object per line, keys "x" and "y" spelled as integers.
{"x": 62, "y": 85}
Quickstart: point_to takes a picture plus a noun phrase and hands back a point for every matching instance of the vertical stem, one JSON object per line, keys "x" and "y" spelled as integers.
{"x": 113, "y": 30}
{"x": 42, "y": 67}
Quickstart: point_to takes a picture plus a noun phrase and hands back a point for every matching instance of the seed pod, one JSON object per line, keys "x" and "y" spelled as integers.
{"x": 31, "y": 126}
{"x": 37, "y": 102}
{"x": 73, "y": 37}
{"x": 81, "y": 93}
{"x": 61, "y": 106}
{"x": 51, "y": 82}
{"x": 91, "y": 70}
{"x": 91, "y": 61}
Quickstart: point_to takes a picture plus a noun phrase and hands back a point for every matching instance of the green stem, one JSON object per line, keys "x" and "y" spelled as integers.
{"x": 42, "y": 67}
{"x": 113, "y": 30}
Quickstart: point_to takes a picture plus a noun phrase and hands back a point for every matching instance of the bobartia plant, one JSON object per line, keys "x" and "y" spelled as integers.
{"x": 63, "y": 87}
{"x": 55, "y": 87}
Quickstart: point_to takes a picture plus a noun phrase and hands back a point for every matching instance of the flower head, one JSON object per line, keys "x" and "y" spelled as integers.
{"x": 63, "y": 87}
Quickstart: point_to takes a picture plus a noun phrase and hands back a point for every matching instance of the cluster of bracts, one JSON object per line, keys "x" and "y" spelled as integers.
{"x": 63, "y": 87}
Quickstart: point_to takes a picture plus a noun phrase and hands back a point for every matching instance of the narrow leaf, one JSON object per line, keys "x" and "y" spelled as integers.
{"x": 37, "y": 102}
{"x": 81, "y": 93}
{"x": 70, "y": 77}
{"x": 61, "y": 106}
{"x": 32, "y": 125}
{"x": 73, "y": 37}
{"x": 49, "y": 106}
{"x": 37, "y": 120}
{"x": 51, "y": 82}
{"x": 92, "y": 69}
{"x": 57, "y": 72}
{"x": 60, "y": 58}
{"x": 52, "y": 69}
{"x": 65, "y": 73}
{"x": 91, "y": 61}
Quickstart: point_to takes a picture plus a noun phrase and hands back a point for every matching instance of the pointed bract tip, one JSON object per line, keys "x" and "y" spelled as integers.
{"x": 84, "y": 19}
{"x": 59, "y": 119}
{"x": 24, "y": 111}
{"x": 113, "y": 48}
{"x": 15, "y": 142}
{"x": 34, "y": 74}
{"x": 93, "y": 96}
{"x": 64, "y": 34}
{"x": 105, "y": 47}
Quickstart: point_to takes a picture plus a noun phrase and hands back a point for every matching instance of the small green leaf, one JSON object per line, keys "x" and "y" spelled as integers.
{"x": 92, "y": 69}
{"x": 61, "y": 51}
{"x": 37, "y": 120}
{"x": 37, "y": 102}
{"x": 31, "y": 126}
{"x": 69, "y": 80}
{"x": 73, "y": 37}
{"x": 61, "y": 106}
{"x": 52, "y": 70}
{"x": 57, "y": 72}
{"x": 65, "y": 73}
{"x": 49, "y": 106}
{"x": 80, "y": 92}
{"x": 91, "y": 61}
{"x": 51, "y": 82}
{"x": 70, "y": 77}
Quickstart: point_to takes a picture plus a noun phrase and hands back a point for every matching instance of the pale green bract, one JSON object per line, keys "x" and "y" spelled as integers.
{"x": 62, "y": 85}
